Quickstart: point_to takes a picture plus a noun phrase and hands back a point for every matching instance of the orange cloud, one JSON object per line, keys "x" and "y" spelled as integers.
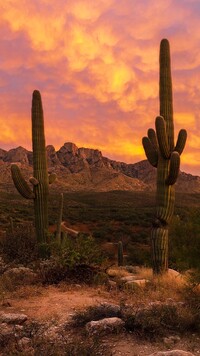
{"x": 96, "y": 65}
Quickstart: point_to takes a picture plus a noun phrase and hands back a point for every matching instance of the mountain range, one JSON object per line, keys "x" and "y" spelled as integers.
{"x": 86, "y": 169}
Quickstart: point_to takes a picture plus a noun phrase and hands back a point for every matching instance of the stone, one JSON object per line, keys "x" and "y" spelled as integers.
{"x": 105, "y": 325}
{"x": 176, "y": 275}
{"x": 171, "y": 340}
{"x": 11, "y": 318}
{"x": 25, "y": 345}
{"x": 136, "y": 283}
{"x": 6, "y": 334}
{"x": 117, "y": 272}
{"x": 172, "y": 353}
{"x": 52, "y": 158}
{"x": 130, "y": 278}
{"x": 18, "y": 154}
{"x": 112, "y": 284}
{"x": 21, "y": 275}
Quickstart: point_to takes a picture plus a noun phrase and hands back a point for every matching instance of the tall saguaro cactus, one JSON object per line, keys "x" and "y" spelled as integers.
{"x": 163, "y": 154}
{"x": 40, "y": 179}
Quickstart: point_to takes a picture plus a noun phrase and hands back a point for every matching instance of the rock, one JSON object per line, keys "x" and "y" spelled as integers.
{"x": 11, "y": 318}
{"x": 21, "y": 275}
{"x": 172, "y": 353}
{"x": 52, "y": 158}
{"x": 129, "y": 278}
{"x": 136, "y": 283}
{"x": 2, "y": 153}
{"x": 173, "y": 273}
{"x": 25, "y": 344}
{"x": 171, "y": 340}
{"x": 117, "y": 272}
{"x": 18, "y": 154}
{"x": 6, "y": 334}
{"x": 93, "y": 157}
{"x": 105, "y": 325}
{"x": 112, "y": 284}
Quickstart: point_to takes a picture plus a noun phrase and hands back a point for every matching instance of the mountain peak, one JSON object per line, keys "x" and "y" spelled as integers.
{"x": 87, "y": 169}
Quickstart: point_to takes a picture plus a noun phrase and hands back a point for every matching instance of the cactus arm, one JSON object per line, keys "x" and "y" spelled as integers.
{"x": 173, "y": 168}
{"x": 33, "y": 181}
{"x": 52, "y": 177}
{"x": 162, "y": 137}
{"x": 153, "y": 138}
{"x": 182, "y": 137}
{"x": 151, "y": 153}
{"x": 20, "y": 183}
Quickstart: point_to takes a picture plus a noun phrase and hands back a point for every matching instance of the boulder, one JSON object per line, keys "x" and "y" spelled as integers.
{"x": 6, "y": 334}
{"x": 21, "y": 275}
{"x": 11, "y": 318}
{"x": 107, "y": 325}
{"x": 134, "y": 283}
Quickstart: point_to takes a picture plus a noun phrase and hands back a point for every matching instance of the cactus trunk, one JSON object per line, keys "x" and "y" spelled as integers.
{"x": 41, "y": 190}
{"x": 161, "y": 153}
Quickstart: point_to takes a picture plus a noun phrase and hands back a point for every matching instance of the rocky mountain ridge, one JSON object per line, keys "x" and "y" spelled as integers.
{"x": 87, "y": 169}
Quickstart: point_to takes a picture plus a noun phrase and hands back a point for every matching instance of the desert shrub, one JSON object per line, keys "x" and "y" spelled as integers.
{"x": 74, "y": 258}
{"x": 139, "y": 255}
{"x": 19, "y": 245}
{"x": 79, "y": 250}
{"x": 185, "y": 242}
{"x": 191, "y": 295}
{"x": 158, "y": 319}
{"x": 96, "y": 312}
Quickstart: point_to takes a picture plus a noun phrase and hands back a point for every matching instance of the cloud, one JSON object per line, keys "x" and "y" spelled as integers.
{"x": 96, "y": 65}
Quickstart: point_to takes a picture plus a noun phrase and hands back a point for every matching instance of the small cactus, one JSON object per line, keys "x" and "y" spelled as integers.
{"x": 165, "y": 156}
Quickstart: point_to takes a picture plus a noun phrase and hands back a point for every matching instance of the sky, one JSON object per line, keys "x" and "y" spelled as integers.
{"x": 96, "y": 64}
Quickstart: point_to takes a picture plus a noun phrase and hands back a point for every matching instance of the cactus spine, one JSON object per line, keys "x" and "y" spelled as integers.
{"x": 120, "y": 254}
{"x": 41, "y": 180}
{"x": 163, "y": 154}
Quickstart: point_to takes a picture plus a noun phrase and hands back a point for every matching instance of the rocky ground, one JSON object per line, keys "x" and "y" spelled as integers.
{"x": 45, "y": 320}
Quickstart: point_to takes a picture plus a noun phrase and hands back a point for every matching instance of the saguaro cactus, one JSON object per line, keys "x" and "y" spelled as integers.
{"x": 163, "y": 154}
{"x": 40, "y": 180}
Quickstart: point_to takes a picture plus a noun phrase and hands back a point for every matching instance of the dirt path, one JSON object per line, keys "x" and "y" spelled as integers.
{"x": 58, "y": 303}
{"x": 44, "y": 303}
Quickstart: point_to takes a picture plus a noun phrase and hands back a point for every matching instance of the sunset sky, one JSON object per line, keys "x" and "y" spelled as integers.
{"x": 95, "y": 63}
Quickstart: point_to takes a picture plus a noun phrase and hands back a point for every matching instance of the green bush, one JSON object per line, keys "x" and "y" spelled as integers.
{"x": 74, "y": 259}
{"x": 139, "y": 255}
{"x": 184, "y": 244}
